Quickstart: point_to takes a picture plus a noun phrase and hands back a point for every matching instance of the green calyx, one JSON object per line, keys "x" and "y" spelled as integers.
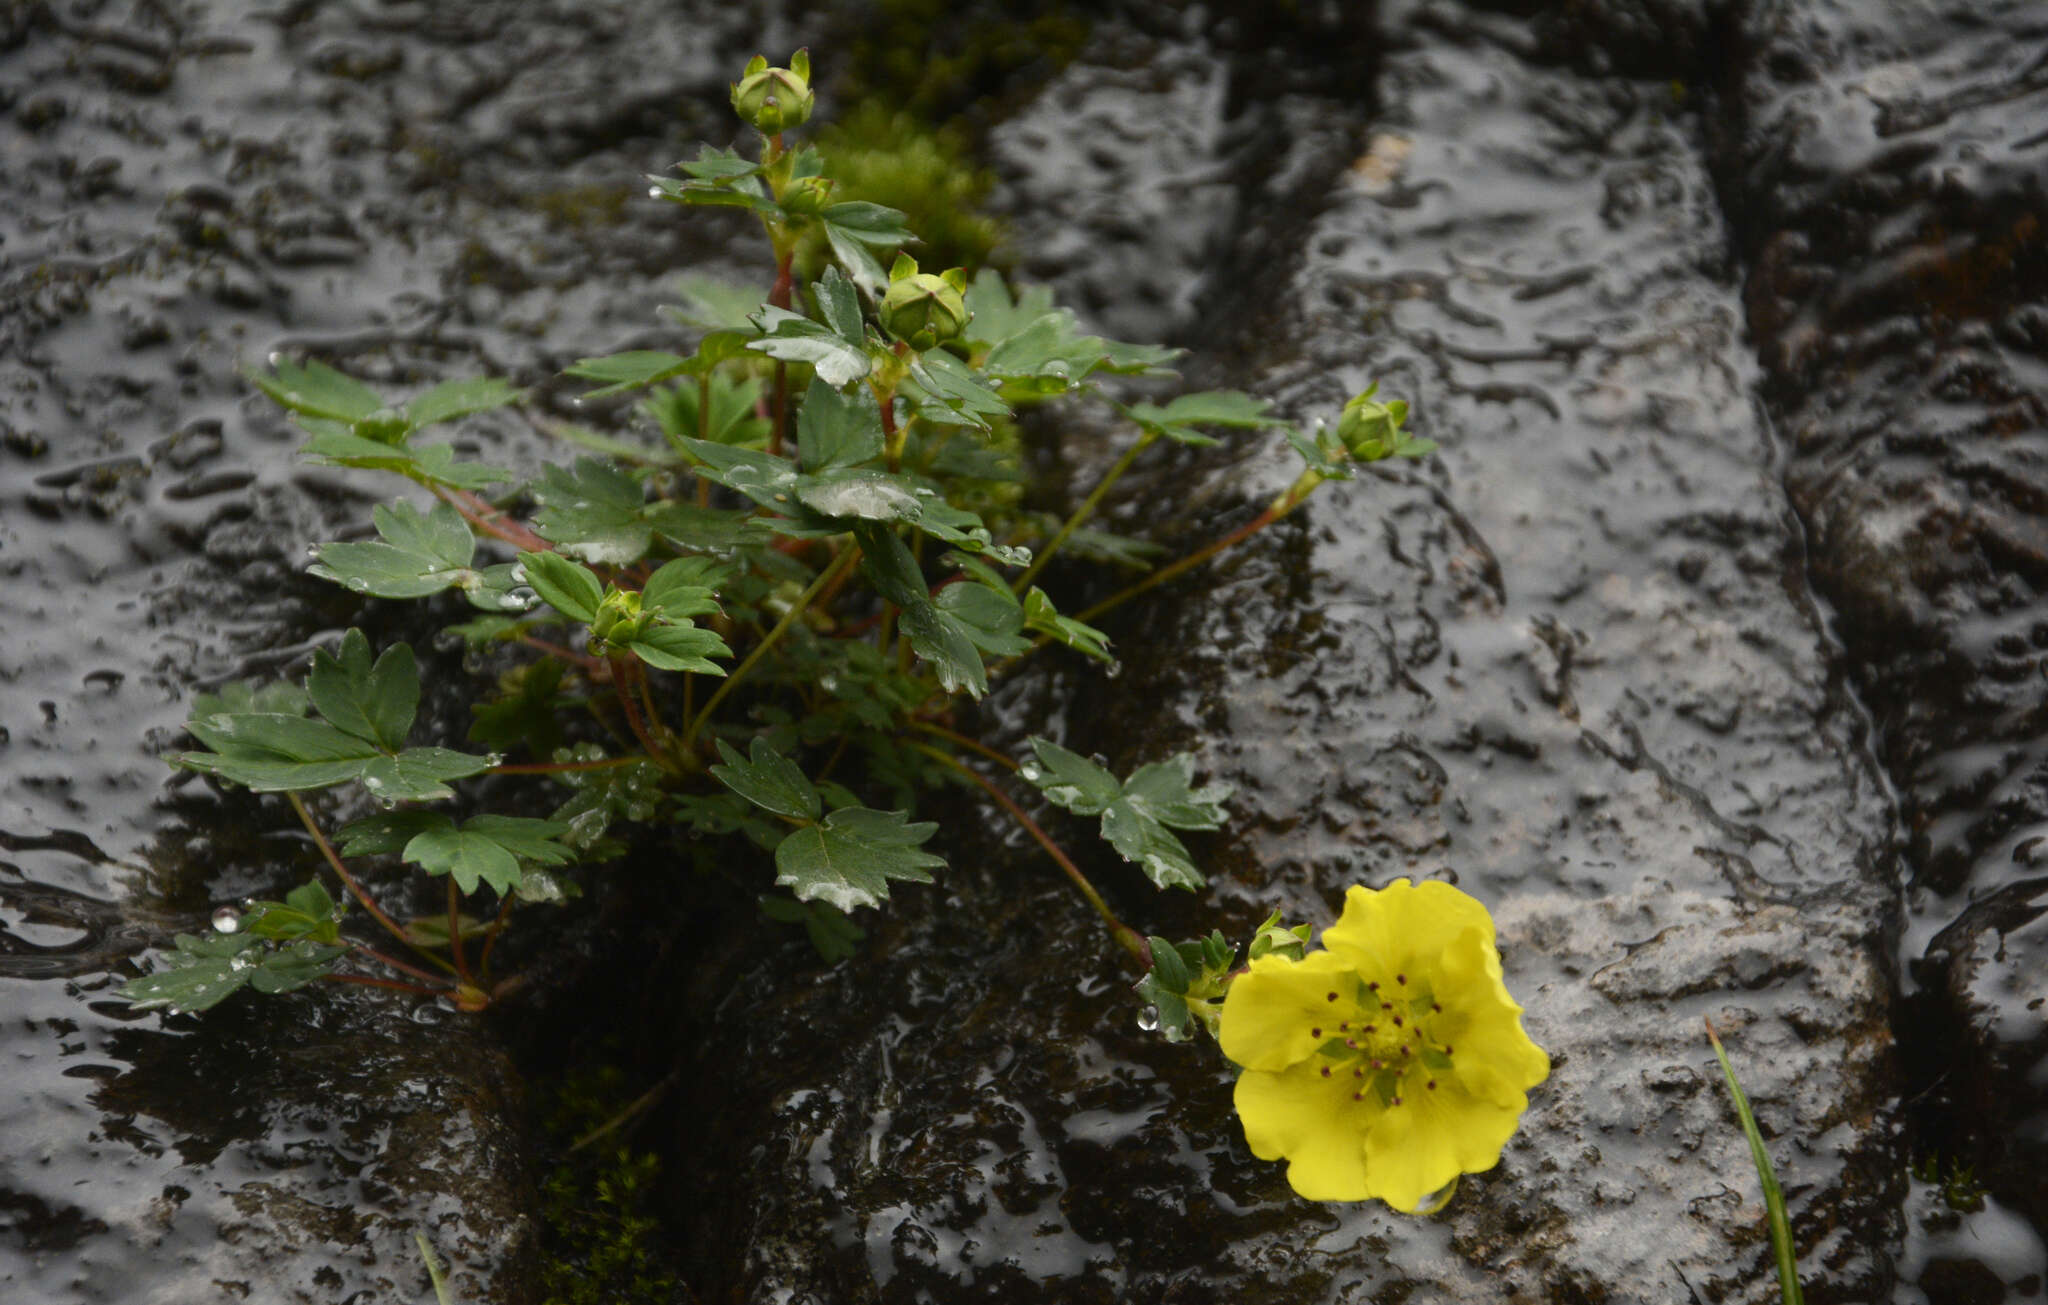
{"x": 772, "y": 100}
{"x": 922, "y": 309}
{"x": 1371, "y": 430}
{"x": 619, "y": 619}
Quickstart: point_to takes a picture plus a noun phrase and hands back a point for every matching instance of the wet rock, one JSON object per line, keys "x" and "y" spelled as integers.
{"x": 1889, "y": 187}
{"x": 1569, "y": 663}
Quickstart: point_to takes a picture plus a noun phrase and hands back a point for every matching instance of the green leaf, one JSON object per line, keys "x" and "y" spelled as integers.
{"x": 429, "y": 464}
{"x": 375, "y": 702}
{"x": 838, "y": 430}
{"x": 420, "y": 774}
{"x": 834, "y": 935}
{"x": 714, "y": 305}
{"x": 731, "y": 418}
{"x": 486, "y": 849}
{"x": 1040, "y": 615}
{"x": 202, "y": 972}
{"x": 525, "y": 712}
{"x": 768, "y": 779}
{"x": 685, "y": 587}
{"x": 795, "y": 338}
{"x": 849, "y": 858}
{"x": 595, "y": 512}
{"x": 317, "y": 390}
{"x": 627, "y": 371}
{"x": 860, "y": 496}
{"x": 726, "y": 192}
{"x": 294, "y": 966}
{"x": 387, "y": 832}
{"x": 1135, "y": 814}
{"x": 994, "y": 314}
{"x": 839, "y": 307}
{"x": 568, "y": 587}
{"x": 420, "y": 555}
{"x": 679, "y": 647}
{"x": 1167, "y": 966}
{"x": 949, "y": 393}
{"x": 452, "y": 399}
{"x": 276, "y": 753}
{"x": 308, "y": 911}
{"x": 241, "y": 697}
{"x": 762, "y": 477}
{"x": 1178, "y": 419}
{"x": 940, "y": 637}
{"x": 989, "y": 615}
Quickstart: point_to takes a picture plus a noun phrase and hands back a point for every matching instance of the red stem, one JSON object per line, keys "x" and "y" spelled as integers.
{"x": 455, "y": 934}
{"x": 489, "y": 519}
{"x": 483, "y": 962}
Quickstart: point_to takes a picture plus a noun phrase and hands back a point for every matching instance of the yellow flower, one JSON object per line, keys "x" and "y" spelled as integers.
{"x": 1392, "y": 1061}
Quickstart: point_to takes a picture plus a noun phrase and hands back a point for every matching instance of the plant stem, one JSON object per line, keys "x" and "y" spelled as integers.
{"x": 1126, "y": 937}
{"x": 455, "y": 933}
{"x": 1782, "y": 1249}
{"x": 840, "y": 565}
{"x": 1083, "y": 512}
{"x": 1192, "y": 560}
{"x": 401, "y": 966}
{"x": 962, "y": 741}
{"x": 622, "y": 686}
{"x": 483, "y": 962}
{"x": 355, "y": 889}
{"x": 479, "y": 513}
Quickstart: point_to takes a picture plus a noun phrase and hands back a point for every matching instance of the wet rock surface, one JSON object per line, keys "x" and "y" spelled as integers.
{"x": 1572, "y": 661}
{"x": 1888, "y": 181}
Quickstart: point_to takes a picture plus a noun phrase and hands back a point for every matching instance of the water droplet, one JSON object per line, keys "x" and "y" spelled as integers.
{"x": 1148, "y": 1019}
{"x": 1032, "y": 774}
{"x": 518, "y": 573}
{"x": 312, "y": 550}
{"x": 521, "y": 600}
{"x": 1438, "y": 1199}
{"x": 248, "y": 903}
{"x": 829, "y": 683}
{"x": 227, "y": 920}
{"x": 359, "y": 584}
{"x": 1113, "y": 670}
{"x": 654, "y": 192}
{"x": 241, "y": 963}
{"x": 372, "y": 783}
{"x": 494, "y": 758}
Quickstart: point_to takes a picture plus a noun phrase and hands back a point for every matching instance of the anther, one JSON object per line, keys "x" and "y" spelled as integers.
{"x": 1400, "y": 978}
{"x": 1373, "y": 987}
{"x": 1372, "y": 1028}
{"x": 1397, "y": 1101}
{"x": 1435, "y": 1009}
{"x": 1358, "y": 1096}
{"x": 1331, "y": 997}
{"x": 1345, "y": 1027}
{"x": 1431, "y": 1085}
{"x": 1357, "y": 1073}
{"x": 1397, "y": 1021}
{"x": 1351, "y": 1043}
{"x": 1379, "y": 1064}
{"x": 1315, "y": 1033}
{"x": 1326, "y": 1074}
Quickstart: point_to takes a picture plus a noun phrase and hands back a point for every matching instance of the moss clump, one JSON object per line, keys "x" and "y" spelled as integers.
{"x": 938, "y": 59}
{"x": 599, "y": 1241}
{"x": 888, "y": 156}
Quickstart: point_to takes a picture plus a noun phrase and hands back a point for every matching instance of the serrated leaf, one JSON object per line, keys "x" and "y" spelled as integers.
{"x": 272, "y": 753}
{"x": 995, "y": 314}
{"x": 715, "y": 305}
{"x": 839, "y": 306}
{"x": 420, "y": 554}
{"x": 684, "y": 587}
{"x": 200, "y": 972}
{"x": 317, "y": 390}
{"x": 486, "y": 849}
{"x": 1167, "y": 966}
{"x": 429, "y": 464}
{"x": 627, "y": 371}
{"x": 730, "y": 416}
{"x": 308, "y": 911}
{"x": 452, "y": 399}
{"x": 242, "y": 697}
{"x": 762, "y": 477}
{"x": 294, "y": 966}
{"x": 768, "y": 779}
{"x": 837, "y": 430}
{"x": 679, "y": 647}
{"x": 1040, "y": 615}
{"x": 860, "y": 496}
{"x": 373, "y": 701}
{"x": 794, "y": 338}
{"x": 525, "y": 712}
{"x": 594, "y": 511}
{"x": 1177, "y": 420}
{"x": 989, "y": 615}
{"x": 848, "y": 858}
{"x": 387, "y": 832}
{"x": 569, "y": 587}
{"x": 420, "y": 774}
{"x": 949, "y": 393}
{"x": 834, "y": 935}
{"x": 941, "y": 638}
{"x": 1135, "y": 813}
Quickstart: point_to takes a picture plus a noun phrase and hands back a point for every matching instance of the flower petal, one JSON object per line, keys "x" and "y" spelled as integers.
{"x": 1495, "y": 1059}
{"x": 1418, "y": 1147}
{"x": 1272, "y": 1010}
{"x": 1314, "y": 1123}
{"x": 1403, "y": 926}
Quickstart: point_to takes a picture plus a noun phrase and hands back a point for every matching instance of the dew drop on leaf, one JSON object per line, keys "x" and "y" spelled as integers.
{"x": 227, "y": 920}
{"x": 1031, "y": 774}
{"x": 240, "y": 963}
{"x": 1113, "y": 670}
{"x": 1148, "y": 1019}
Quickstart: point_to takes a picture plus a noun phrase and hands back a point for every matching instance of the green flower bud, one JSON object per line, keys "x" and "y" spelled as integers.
{"x": 922, "y": 309}
{"x": 619, "y": 619}
{"x": 808, "y": 195}
{"x": 1371, "y": 430}
{"x": 772, "y": 100}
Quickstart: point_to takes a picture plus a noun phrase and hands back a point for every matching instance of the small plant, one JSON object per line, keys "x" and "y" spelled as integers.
{"x": 758, "y": 618}
{"x": 1783, "y": 1253}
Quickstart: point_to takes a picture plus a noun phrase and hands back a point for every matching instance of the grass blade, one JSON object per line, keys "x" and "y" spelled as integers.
{"x": 433, "y": 1268}
{"x": 1774, "y": 1196}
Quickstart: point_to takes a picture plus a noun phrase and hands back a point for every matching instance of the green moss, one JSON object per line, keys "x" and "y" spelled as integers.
{"x": 888, "y": 156}
{"x": 600, "y": 1242}
{"x": 936, "y": 59}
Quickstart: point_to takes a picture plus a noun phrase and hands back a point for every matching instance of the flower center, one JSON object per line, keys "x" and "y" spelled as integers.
{"x": 1381, "y": 1038}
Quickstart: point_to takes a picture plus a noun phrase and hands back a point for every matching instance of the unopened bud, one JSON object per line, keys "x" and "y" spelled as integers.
{"x": 922, "y": 309}
{"x": 808, "y": 195}
{"x": 618, "y": 619}
{"x": 1369, "y": 429}
{"x": 772, "y": 100}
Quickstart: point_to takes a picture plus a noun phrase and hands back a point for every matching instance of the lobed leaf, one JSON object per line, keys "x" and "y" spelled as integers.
{"x": 849, "y": 858}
